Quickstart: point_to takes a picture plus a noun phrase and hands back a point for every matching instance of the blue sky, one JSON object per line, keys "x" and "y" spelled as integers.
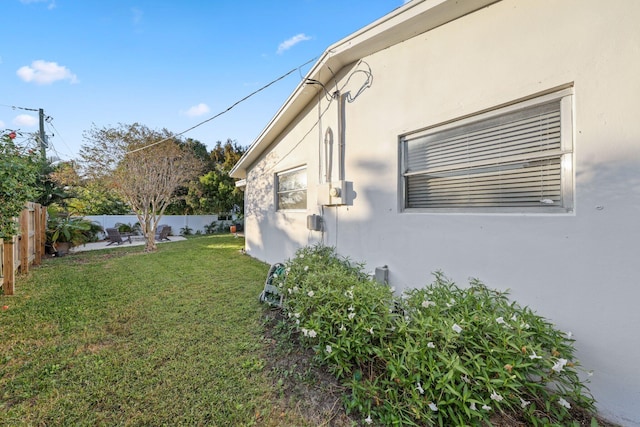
{"x": 163, "y": 63}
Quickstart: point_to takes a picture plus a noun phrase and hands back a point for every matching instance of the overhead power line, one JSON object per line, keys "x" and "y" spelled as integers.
{"x": 226, "y": 110}
{"x": 19, "y": 108}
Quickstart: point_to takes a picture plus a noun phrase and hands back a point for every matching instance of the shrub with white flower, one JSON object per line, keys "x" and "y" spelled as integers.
{"x": 441, "y": 355}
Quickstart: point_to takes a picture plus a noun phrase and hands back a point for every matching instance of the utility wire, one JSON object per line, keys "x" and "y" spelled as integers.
{"x": 57, "y": 132}
{"x": 19, "y": 108}
{"x": 224, "y": 111}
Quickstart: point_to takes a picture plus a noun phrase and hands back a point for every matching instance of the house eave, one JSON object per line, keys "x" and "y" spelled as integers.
{"x": 403, "y": 23}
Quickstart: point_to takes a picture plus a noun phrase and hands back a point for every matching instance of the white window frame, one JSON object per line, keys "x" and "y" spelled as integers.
{"x": 302, "y": 170}
{"x": 426, "y": 173}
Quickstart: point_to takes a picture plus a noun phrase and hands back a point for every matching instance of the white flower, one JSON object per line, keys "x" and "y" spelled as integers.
{"x": 371, "y": 330}
{"x": 303, "y": 330}
{"x": 456, "y": 328}
{"x": 342, "y": 328}
{"x": 433, "y": 406}
{"x": 500, "y": 320}
{"x": 495, "y": 396}
{"x": 368, "y": 420}
{"x": 427, "y": 303}
{"x": 514, "y": 317}
{"x": 430, "y": 344}
{"x": 288, "y": 269}
{"x": 349, "y": 294}
{"x": 524, "y": 403}
{"x": 486, "y": 407}
{"x": 301, "y": 256}
{"x": 559, "y": 365}
{"x": 290, "y": 290}
{"x": 313, "y": 333}
{"x": 351, "y": 316}
{"x": 275, "y": 275}
{"x": 328, "y": 349}
{"x": 472, "y": 406}
{"x": 564, "y": 403}
{"x": 535, "y": 356}
{"x": 295, "y": 289}
{"x": 419, "y": 388}
{"x": 289, "y": 315}
{"x": 297, "y": 315}
{"x": 297, "y": 321}
{"x": 525, "y": 326}
{"x": 306, "y": 268}
{"x": 351, "y": 308}
{"x": 310, "y": 293}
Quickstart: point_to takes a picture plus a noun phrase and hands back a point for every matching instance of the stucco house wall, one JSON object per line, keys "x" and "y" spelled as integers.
{"x": 579, "y": 269}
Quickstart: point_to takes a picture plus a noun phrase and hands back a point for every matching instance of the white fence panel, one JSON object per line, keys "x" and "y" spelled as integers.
{"x": 177, "y": 222}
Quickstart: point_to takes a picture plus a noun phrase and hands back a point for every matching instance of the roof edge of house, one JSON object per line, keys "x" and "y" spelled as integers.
{"x": 407, "y": 21}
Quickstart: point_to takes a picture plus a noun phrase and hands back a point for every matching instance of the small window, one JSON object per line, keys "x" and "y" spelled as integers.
{"x": 514, "y": 159}
{"x": 292, "y": 189}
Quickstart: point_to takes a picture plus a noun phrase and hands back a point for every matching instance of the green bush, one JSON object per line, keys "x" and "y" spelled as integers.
{"x": 128, "y": 228}
{"x": 441, "y": 355}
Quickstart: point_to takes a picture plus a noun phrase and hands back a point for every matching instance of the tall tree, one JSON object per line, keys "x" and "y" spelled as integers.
{"x": 180, "y": 205}
{"x": 216, "y": 191}
{"x": 144, "y": 166}
{"x": 19, "y": 171}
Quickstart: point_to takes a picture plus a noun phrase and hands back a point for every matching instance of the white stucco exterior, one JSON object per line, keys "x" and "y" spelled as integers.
{"x": 580, "y": 269}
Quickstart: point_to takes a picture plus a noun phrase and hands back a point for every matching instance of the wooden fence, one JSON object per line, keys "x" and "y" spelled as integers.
{"x": 25, "y": 249}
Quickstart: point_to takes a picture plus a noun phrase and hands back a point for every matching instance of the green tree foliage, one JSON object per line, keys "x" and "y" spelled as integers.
{"x": 180, "y": 206}
{"x": 215, "y": 191}
{"x": 94, "y": 198}
{"x": 67, "y": 192}
{"x": 51, "y": 191}
{"x": 19, "y": 170}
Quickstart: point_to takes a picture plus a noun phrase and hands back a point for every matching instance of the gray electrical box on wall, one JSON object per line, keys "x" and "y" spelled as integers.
{"x": 382, "y": 275}
{"x": 314, "y": 222}
{"x": 336, "y": 193}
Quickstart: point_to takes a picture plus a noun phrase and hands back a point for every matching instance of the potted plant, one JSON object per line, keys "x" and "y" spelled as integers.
{"x": 65, "y": 232}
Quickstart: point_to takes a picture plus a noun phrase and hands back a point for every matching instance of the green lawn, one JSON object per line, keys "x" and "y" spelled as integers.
{"x": 120, "y": 337}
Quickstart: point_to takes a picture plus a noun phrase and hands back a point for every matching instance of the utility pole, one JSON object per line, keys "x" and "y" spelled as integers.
{"x": 43, "y": 142}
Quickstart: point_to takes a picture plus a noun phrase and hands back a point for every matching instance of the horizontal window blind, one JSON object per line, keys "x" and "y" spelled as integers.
{"x": 292, "y": 189}
{"x": 513, "y": 160}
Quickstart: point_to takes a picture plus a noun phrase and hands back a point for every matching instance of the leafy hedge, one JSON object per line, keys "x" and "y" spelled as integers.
{"x": 442, "y": 355}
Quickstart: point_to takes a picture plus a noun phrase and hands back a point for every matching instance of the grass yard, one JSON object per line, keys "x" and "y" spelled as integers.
{"x": 120, "y": 337}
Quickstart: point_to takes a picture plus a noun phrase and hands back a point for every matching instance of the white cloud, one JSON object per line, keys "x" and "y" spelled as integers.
{"x": 51, "y": 5}
{"x": 25, "y": 120}
{"x": 137, "y": 15}
{"x": 44, "y": 73}
{"x": 288, "y": 44}
{"x": 197, "y": 110}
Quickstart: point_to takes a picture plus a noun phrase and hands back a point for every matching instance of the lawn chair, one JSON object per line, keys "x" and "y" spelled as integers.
{"x": 162, "y": 233}
{"x": 271, "y": 294}
{"x": 114, "y": 236}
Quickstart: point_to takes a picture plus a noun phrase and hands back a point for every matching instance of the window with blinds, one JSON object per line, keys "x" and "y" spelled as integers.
{"x": 515, "y": 159}
{"x": 292, "y": 189}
